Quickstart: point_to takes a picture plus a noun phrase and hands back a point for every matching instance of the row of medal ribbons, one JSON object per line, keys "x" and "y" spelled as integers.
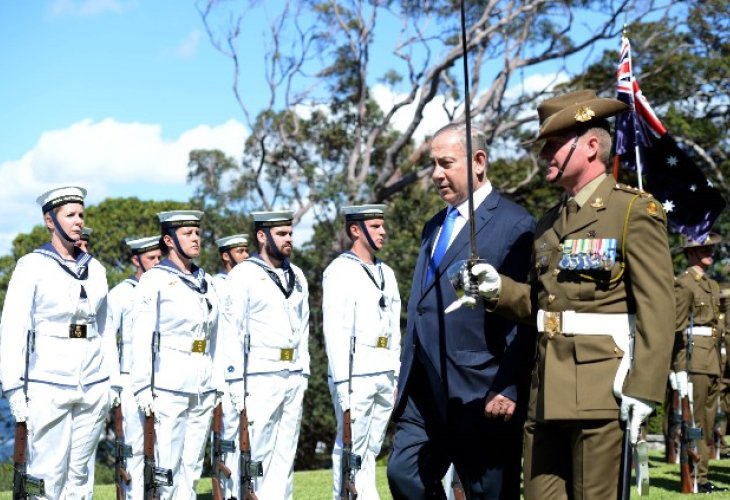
{"x": 587, "y": 254}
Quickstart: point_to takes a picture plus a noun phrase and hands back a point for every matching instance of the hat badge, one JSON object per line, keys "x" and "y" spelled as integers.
{"x": 584, "y": 114}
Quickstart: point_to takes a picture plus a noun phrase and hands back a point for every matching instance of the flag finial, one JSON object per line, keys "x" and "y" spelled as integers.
{"x": 625, "y": 31}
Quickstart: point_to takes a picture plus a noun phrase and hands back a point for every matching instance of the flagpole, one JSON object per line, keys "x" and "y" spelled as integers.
{"x": 637, "y": 149}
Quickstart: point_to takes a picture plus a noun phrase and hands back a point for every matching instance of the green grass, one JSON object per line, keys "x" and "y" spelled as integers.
{"x": 316, "y": 485}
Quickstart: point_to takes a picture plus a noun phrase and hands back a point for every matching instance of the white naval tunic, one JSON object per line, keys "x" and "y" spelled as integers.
{"x": 361, "y": 300}
{"x": 68, "y": 378}
{"x": 186, "y": 382}
{"x": 119, "y": 320}
{"x": 255, "y": 304}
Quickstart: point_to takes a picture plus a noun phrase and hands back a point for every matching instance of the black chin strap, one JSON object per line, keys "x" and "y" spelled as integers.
{"x": 567, "y": 158}
{"x": 58, "y": 227}
{"x": 273, "y": 249}
{"x": 173, "y": 235}
{"x": 364, "y": 229}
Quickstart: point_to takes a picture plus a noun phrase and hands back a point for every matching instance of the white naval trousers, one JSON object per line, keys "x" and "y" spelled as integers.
{"x": 134, "y": 437}
{"x": 371, "y": 403}
{"x": 64, "y": 427}
{"x": 230, "y": 485}
{"x": 274, "y": 409}
{"x": 181, "y": 426}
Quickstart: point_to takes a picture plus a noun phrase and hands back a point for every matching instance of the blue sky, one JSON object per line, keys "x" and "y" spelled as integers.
{"x": 112, "y": 95}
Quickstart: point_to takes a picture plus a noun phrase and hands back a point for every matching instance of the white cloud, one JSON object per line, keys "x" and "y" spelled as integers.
{"x": 536, "y": 83}
{"x": 188, "y": 46}
{"x": 434, "y": 116}
{"x": 101, "y": 156}
{"x": 86, "y": 8}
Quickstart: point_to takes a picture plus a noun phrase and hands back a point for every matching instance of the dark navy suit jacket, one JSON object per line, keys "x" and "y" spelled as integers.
{"x": 469, "y": 352}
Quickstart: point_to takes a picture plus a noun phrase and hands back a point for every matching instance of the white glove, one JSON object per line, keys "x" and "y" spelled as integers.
{"x": 682, "y": 384}
{"x": 673, "y": 380}
{"x": 236, "y": 392}
{"x": 18, "y": 405}
{"x": 488, "y": 278}
{"x": 343, "y": 395}
{"x": 115, "y": 396}
{"x": 145, "y": 402}
{"x": 639, "y": 410}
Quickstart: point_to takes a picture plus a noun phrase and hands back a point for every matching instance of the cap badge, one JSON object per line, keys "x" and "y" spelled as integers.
{"x": 584, "y": 114}
{"x": 598, "y": 203}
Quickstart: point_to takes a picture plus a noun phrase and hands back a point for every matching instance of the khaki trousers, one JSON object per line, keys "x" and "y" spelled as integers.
{"x": 572, "y": 459}
{"x": 705, "y": 391}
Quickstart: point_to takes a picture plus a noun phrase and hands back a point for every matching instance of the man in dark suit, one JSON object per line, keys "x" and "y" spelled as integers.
{"x": 464, "y": 375}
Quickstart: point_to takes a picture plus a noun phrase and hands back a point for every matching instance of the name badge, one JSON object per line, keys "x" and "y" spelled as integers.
{"x": 382, "y": 342}
{"x": 287, "y": 354}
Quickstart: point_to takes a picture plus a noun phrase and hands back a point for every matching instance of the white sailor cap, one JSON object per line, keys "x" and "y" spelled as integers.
{"x": 234, "y": 241}
{"x": 180, "y": 218}
{"x": 363, "y": 212}
{"x": 86, "y": 233}
{"x": 142, "y": 245}
{"x": 60, "y": 196}
{"x": 272, "y": 219}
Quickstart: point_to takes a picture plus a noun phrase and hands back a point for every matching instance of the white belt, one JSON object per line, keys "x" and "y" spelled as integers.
{"x": 620, "y": 327}
{"x": 702, "y": 331}
{"x": 184, "y": 344}
{"x": 287, "y": 354}
{"x": 382, "y": 342}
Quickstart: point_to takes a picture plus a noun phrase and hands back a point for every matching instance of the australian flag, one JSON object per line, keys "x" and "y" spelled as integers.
{"x": 691, "y": 202}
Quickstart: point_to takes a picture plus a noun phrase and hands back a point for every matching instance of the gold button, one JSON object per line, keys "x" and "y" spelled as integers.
{"x": 556, "y": 271}
{"x": 615, "y": 350}
{"x": 551, "y": 298}
{"x": 560, "y": 247}
{"x": 550, "y": 335}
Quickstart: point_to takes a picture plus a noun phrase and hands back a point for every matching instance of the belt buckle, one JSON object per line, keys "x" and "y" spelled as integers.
{"x": 76, "y": 331}
{"x": 553, "y": 323}
{"x": 287, "y": 354}
{"x": 382, "y": 342}
{"x": 199, "y": 346}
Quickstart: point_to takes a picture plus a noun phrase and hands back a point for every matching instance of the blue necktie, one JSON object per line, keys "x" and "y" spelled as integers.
{"x": 442, "y": 244}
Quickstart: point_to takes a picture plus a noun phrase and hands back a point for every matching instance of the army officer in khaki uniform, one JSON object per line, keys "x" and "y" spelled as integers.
{"x": 699, "y": 316}
{"x": 601, "y": 289}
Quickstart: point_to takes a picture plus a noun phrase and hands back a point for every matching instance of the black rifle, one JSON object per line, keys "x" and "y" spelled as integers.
{"x": 220, "y": 447}
{"x": 248, "y": 468}
{"x": 674, "y": 427}
{"x": 154, "y": 476}
{"x": 24, "y": 484}
{"x": 688, "y": 457}
{"x": 350, "y": 462}
{"x": 122, "y": 452}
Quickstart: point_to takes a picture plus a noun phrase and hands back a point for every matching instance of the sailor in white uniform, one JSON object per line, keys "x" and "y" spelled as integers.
{"x": 146, "y": 254}
{"x": 54, "y": 311}
{"x": 176, "y": 315}
{"x": 233, "y": 250}
{"x": 267, "y": 307}
{"x": 361, "y": 308}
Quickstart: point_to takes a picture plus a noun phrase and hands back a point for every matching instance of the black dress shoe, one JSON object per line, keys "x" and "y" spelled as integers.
{"x": 708, "y": 487}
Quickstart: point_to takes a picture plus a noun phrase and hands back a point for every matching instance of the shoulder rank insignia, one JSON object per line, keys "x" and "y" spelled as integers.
{"x": 584, "y": 114}
{"x": 598, "y": 203}
{"x": 652, "y": 208}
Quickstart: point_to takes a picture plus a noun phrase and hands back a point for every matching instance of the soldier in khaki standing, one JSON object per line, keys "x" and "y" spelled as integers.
{"x": 601, "y": 289}
{"x": 699, "y": 315}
